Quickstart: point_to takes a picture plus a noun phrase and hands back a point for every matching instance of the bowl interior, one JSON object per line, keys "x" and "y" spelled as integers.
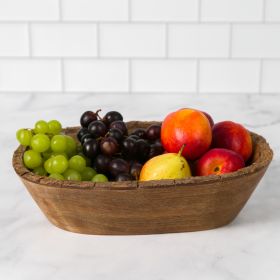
{"x": 261, "y": 158}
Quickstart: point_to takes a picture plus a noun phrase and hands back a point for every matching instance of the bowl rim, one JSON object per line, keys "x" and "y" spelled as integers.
{"x": 261, "y": 158}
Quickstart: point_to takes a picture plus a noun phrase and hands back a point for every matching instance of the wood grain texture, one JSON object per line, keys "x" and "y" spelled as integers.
{"x": 120, "y": 208}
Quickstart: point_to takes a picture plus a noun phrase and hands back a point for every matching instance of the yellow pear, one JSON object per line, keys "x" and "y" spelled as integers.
{"x": 166, "y": 166}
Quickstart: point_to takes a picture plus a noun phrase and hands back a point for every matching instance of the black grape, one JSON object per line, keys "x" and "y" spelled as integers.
{"x": 109, "y": 146}
{"x": 136, "y": 137}
{"x": 81, "y": 133}
{"x": 91, "y": 148}
{"x": 115, "y": 133}
{"x": 97, "y": 129}
{"x": 140, "y": 132}
{"x": 129, "y": 147}
{"x": 153, "y": 132}
{"x": 135, "y": 169}
{"x": 143, "y": 149}
{"x": 101, "y": 163}
{"x": 86, "y": 137}
{"x": 155, "y": 150}
{"x": 120, "y": 125}
{"x": 124, "y": 177}
{"x": 111, "y": 117}
{"x": 118, "y": 166}
{"x": 88, "y": 117}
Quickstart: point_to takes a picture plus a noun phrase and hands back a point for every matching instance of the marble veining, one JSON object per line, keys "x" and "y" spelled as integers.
{"x": 31, "y": 248}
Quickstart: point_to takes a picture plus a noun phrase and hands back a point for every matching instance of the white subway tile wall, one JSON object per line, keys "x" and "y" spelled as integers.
{"x": 14, "y": 40}
{"x": 140, "y": 46}
{"x": 64, "y": 40}
{"x": 94, "y": 10}
{"x": 164, "y": 75}
{"x": 232, "y": 10}
{"x": 199, "y": 40}
{"x": 96, "y": 75}
{"x": 28, "y": 10}
{"x": 271, "y": 79}
{"x": 257, "y": 40}
{"x": 272, "y": 10}
{"x": 30, "y": 75}
{"x": 132, "y": 40}
{"x": 164, "y": 10}
{"x": 230, "y": 76}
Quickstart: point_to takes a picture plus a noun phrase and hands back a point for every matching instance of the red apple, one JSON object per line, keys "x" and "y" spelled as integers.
{"x": 219, "y": 161}
{"x": 232, "y": 136}
{"x": 210, "y": 119}
{"x": 187, "y": 127}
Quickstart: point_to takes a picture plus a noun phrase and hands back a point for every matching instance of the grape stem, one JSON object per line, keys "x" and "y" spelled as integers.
{"x": 99, "y": 110}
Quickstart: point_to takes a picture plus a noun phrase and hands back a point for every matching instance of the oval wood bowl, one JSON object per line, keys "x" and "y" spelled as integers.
{"x": 120, "y": 208}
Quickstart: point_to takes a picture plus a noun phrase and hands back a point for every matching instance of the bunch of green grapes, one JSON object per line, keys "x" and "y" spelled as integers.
{"x": 53, "y": 154}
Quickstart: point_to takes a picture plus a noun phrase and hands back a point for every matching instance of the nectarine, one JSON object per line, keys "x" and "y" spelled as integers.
{"x": 186, "y": 126}
{"x": 210, "y": 119}
{"x": 232, "y": 136}
{"x": 219, "y": 161}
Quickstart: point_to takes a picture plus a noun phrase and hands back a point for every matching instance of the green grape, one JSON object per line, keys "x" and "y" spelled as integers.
{"x": 54, "y": 127}
{"x": 40, "y": 143}
{"x": 71, "y": 174}
{"x": 54, "y": 154}
{"x": 88, "y": 173}
{"x": 56, "y": 176}
{"x": 59, "y": 164}
{"x": 59, "y": 143}
{"x": 48, "y": 165}
{"x": 99, "y": 178}
{"x": 32, "y": 159}
{"x": 88, "y": 161}
{"x": 71, "y": 149}
{"x": 24, "y": 136}
{"x": 77, "y": 163}
{"x": 41, "y": 127}
{"x": 40, "y": 170}
{"x": 47, "y": 154}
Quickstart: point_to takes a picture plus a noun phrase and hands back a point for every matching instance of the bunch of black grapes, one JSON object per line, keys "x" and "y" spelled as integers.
{"x": 113, "y": 152}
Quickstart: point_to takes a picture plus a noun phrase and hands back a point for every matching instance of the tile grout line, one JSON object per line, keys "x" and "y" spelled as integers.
{"x": 264, "y": 11}
{"x": 199, "y": 11}
{"x": 60, "y": 12}
{"x": 98, "y": 40}
{"x": 225, "y": 58}
{"x": 129, "y": 10}
{"x": 261, "y": 59}
{"x": 240, "y": 93}
{"x": 261, "y": 76}
{"x": 230, "y": 41}
{"x": 62, "y": 76}
{"x": 30, "y": 50}
{"x": 197, "y": 77}
{"x": 130, "y": 76}
{"x": 167, "y": 40}
{"x": 190, "y": 22}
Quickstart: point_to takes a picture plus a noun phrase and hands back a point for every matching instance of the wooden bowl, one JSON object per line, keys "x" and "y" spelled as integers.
{"x": 121, "y": 208}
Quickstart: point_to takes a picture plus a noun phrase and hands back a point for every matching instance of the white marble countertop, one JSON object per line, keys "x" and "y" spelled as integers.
{"x": 31, "y": 248}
